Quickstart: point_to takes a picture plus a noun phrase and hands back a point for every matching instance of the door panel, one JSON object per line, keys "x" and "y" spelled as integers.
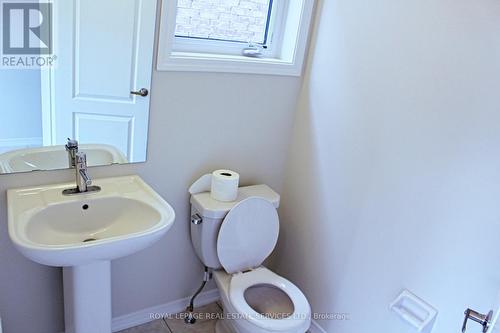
{"x": 114, "y": 130}
{"x": 117, "y": 58}
{"x": 105, "y": 51}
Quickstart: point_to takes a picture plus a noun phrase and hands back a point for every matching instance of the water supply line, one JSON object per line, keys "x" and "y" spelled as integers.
{"x": 190, "y": 318}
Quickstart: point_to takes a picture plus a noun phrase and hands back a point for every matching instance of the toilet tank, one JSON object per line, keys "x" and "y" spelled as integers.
{"x": 211, "y": 212}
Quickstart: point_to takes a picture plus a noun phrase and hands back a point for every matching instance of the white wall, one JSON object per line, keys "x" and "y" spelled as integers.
{"x": 199, "y": 122}
{"x": 393, "y": 176}
{"x": 20, "y": 106}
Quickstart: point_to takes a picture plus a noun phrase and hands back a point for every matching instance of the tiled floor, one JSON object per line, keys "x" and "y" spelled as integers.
{"x": 204, "y": 324}
{"x": 177, "y": 325}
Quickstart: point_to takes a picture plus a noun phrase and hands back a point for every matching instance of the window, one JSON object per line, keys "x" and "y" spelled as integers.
{"x": 249, "y": 36}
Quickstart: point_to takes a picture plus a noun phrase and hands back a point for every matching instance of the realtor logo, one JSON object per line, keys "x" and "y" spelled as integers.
{"x": 26, "y": 31}
{"x": 27, "y": 28}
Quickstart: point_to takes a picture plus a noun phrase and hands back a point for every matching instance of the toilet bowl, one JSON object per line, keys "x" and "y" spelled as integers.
{"x": 235, "y": 239}
{"x": 277, "y": 305}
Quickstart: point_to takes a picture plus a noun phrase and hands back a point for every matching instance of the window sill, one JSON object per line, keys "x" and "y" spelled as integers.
{"x": 207, "y": 62}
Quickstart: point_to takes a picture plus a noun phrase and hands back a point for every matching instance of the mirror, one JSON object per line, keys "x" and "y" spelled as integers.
{"x": 79, "y": 70}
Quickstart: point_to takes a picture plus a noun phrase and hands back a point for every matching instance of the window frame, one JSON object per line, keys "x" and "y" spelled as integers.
{"x": 284, "y": 56}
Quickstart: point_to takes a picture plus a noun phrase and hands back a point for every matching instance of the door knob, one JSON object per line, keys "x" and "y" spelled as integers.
{"x": 142, "y": 92}
{"x": 484, "y": 320}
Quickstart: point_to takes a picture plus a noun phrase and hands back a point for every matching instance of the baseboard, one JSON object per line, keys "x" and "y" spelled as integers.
{"x": 25, "y": 142}
{"x": 18, "y": 143}
{"x": 316, "y": 328}
{"x": 144, "y": 316}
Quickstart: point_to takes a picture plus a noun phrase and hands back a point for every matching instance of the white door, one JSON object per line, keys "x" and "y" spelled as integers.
{"x": 104, "y": 52}
{"x": 486, "y": 321}
{"x": 494, "y": 326}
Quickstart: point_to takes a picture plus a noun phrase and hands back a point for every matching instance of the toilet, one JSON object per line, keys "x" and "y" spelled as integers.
{"x": 234, "y": 239}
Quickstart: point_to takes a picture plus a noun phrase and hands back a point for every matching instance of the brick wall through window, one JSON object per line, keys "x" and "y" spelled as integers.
{"x": 234, "y": 20}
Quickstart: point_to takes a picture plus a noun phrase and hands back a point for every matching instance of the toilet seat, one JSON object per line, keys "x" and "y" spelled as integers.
{"x": 262, "y": 276}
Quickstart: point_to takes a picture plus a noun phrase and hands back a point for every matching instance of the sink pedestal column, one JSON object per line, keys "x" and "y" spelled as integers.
{"x": 87, "y": 298}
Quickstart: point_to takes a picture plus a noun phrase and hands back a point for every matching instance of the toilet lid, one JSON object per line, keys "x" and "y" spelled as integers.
{"x": 247, "y": 235}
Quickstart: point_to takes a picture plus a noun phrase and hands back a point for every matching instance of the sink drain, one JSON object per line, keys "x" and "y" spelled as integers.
{"x": 89, "y": 240}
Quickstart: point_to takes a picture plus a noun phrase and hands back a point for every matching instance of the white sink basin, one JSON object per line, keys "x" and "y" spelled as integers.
{"x": 57, "y": 230}
{"x": 56, "y": 157}
{"x": 83, "y": 233}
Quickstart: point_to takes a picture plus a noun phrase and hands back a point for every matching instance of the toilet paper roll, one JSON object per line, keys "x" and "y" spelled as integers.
{"x": 222, "y": 184}
{"x": 225, "y": 185}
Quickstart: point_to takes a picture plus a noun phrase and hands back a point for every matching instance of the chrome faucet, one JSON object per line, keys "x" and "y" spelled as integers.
{"x": 82, "y": 176}
{"x": 83, "y": 180}
{"x": 72, "y": 149}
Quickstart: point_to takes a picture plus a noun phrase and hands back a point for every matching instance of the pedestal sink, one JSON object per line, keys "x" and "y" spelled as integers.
{"x": 82, "y": 233}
